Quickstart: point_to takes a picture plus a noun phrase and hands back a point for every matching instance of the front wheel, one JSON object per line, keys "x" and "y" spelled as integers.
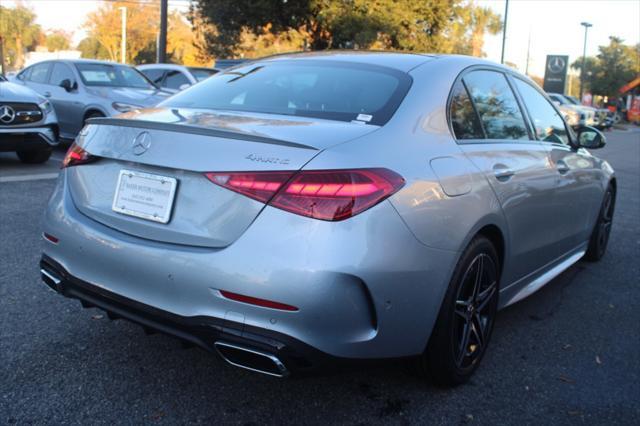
{"x": 465, "y": 322}
{"x": 34, "y": 156}
{"x": 601, "y": 232}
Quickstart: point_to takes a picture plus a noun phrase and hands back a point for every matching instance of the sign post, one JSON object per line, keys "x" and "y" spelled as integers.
{"x": 555, "y": 73}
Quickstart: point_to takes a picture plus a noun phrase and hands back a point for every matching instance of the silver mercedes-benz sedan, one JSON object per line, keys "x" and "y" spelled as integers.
{"x": 310, "y": 208}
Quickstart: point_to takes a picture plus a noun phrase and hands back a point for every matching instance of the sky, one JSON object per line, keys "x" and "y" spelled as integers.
{"x": 553, "y": 25}
{"x": 69, "y": 15}
{"x": 555, "y": 28}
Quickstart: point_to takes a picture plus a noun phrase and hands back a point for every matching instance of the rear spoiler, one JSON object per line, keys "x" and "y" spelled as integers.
{"x": 194, "y": 130}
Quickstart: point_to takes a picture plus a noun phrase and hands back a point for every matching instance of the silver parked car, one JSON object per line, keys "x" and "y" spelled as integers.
{"x": 28, "y": 124}
{"x": 174, "y": 78}
{"x": 81, "y": 89}
{"x": 315, "y": 207}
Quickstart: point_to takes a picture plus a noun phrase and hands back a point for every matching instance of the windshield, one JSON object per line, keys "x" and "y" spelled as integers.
{"x": 202, "y": 73}
{"x": 108, "y": 75}
{"x": 321, "y": 89}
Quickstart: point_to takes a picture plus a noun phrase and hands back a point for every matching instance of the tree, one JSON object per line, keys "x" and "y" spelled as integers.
{"x": 19, "y": 33}
{"x": 104, "y": 26}
{"x": 57, "y": 40}
{"x": 181, "y": 42}
{"x": 91, "y": 48}
{"x": 450, "y": 26}
{"x": 615, "y": 65}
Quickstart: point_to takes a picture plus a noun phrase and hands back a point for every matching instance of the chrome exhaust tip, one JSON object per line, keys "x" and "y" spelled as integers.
{"x": 251, "y": 359}
{"x": 51, "y": 279}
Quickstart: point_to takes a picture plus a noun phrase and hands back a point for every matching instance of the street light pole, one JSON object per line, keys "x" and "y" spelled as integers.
{"x": 504, "y": 29}
{"x": 162, "y": 39}
{"x": 586, "y": 26}
{"x": 123, "y": 46}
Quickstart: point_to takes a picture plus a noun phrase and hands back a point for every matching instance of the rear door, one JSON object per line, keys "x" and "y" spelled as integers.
{"x": 492, "y": 130}
{"x": 578, "y": 190}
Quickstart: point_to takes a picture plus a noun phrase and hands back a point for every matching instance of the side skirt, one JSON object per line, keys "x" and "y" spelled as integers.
{"x": 550, "y": 272}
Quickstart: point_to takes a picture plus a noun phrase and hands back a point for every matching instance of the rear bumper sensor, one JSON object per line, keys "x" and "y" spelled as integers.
{"x": 248, "y": 347}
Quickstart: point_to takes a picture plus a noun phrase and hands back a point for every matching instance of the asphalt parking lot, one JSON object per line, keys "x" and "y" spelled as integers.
{"x": 570, "y": 353}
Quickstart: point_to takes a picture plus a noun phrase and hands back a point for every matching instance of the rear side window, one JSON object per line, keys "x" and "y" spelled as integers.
{"x": 496, "y": 104}
{"x": 464, "y": 119}
{"x": 39, "y": 73}
{"x": 321, "y": 89}
{"x": 548, "y": 125}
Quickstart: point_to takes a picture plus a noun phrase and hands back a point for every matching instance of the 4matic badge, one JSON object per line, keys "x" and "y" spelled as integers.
{"x": 272, "y": 160}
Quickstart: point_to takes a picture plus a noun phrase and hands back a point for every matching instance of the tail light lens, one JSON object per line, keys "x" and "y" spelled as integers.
{"x": 76, "y": 156}
{"x": 322, "y": 194}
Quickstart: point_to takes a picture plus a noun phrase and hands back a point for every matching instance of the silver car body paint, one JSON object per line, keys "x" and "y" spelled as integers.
{"x": 72, "y": 107}
{"x": 43, "y": 129}
{"x": 367, "y": 287}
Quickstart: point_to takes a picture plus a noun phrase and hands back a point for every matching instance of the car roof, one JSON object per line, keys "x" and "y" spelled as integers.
{"x": 400, "y": 61}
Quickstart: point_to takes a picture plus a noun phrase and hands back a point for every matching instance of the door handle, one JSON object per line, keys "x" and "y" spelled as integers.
{"x": 47, "y": 94}
{"x": 502, "y": 172}
{"x": 562, "y": 167}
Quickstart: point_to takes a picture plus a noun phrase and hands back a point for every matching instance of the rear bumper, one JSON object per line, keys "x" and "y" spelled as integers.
{"x": 27, "y": 138}
{"x": 203, "y": 331}
{"x": 365, "y": 288}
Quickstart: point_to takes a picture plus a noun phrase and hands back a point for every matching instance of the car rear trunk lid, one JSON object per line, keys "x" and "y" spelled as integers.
{"x": 203, "y": 214}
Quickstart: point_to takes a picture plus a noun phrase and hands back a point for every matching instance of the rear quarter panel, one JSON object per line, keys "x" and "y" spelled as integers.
{"x": 418, "y": 133}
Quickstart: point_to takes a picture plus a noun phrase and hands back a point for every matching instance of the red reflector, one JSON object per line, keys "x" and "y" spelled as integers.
{"x": 258, "y": 302}
{"x": 322, "y": 194}
{"x": 50, "y": 237}
{"x": 76, "y": 156}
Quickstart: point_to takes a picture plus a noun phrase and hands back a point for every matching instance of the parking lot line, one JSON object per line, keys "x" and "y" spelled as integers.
{"x": 22, "y": 178}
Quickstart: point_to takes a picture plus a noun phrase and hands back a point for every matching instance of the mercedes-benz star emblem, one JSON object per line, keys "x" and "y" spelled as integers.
{"x": 141, "y": 143}
{"x": 556, "y": 65}
{"x": 7, "y": 114}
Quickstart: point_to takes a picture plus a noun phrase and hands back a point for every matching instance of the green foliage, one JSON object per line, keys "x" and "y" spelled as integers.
{"x": 91, "y": 48}
{"x": 57, "y": 40}
{"x": 449, "y": 26}
{"x": 613, "y": 67}
{"x": 19, "y": 33}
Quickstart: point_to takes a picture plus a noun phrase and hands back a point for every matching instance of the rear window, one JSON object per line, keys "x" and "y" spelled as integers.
{"x": 327, "y": 90}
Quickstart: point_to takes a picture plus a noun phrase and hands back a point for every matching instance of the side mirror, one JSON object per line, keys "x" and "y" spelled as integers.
{"x": 184, "y": 86}
{"x": 591, "y": 138}
{"x": 67, "y": 85}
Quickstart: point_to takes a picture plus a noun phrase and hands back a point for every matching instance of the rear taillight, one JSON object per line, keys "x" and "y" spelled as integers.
{"x": 76, "y": 156}
{"x": 322, "y": 194}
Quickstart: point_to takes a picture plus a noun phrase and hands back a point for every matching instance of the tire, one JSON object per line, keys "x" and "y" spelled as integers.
{"x": 93, "y": 114}
{"x": 602, "y": 230}
{"x": 467, "y": 315}
{"x": 35, "y": 156}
